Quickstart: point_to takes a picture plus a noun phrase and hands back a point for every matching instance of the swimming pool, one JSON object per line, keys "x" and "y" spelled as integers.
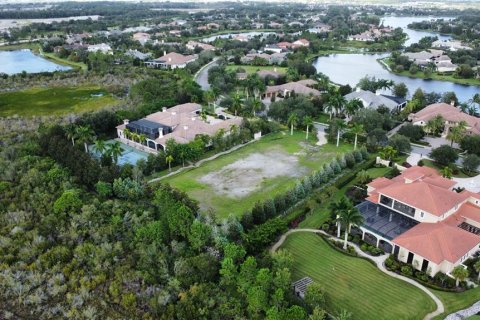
{"x": 129, "y": 155}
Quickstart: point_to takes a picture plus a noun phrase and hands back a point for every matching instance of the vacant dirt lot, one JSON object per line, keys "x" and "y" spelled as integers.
{"x": 245, "y": 176}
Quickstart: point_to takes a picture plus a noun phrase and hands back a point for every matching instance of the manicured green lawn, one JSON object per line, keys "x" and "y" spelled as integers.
{"x": 238, "y": 170}
{"x": 434, "y": 165}
{"x": 54, "y": 101}
{"x": 54, "y": 58}
{"x": 252, "y": 69}
{"x": 320, "y": 214}
{"x": 457, "y": 301}
{"x": 353, "y": 283}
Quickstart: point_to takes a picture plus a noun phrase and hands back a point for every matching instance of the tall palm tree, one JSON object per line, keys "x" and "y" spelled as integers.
{"x": 349, "y": 216}
{"x": 307, "y": 121}
{"x": 459, "y": 273}
{"x": 336, "y": 207}
{"x": 143, "y": 138}
{"x": 71, "y": 133}
{"x": 455, "y": 134}
{"x": 85, "y": 135}
{"x": 335, "y": 103}
{"x": 476, "y": 266}
{"x": 292, "y": 122}
{"x": 256, "y": 105}
{"x": 114, "y": 150}
{"x": 352, "y": 106}
{"x": 169, "y": 160}
{"x": 100, "y": 146}
{"x": 356, "y": 129}
{"x": 236, "y": 103}
{"x": 127, "y": 133}
{"x": 446, "y": 172}
{"x": 209, "y": 96}
{"x": 341, "y": 126}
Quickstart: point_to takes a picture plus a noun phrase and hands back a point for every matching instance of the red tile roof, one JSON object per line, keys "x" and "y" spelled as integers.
{"x": 437, "y": 242}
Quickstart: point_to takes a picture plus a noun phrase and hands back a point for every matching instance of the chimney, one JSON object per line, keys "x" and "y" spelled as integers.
{"x": 275, "y": 69}
{"x": 164, "y": 109}
{"x": 452, "y": 103}
{"x": 126, "y": 121}
{"x": 169, "y": 59}
{"x": 358, "y": 89}
{"x": 164, "y": 52}
{"x": 160, "y": 132}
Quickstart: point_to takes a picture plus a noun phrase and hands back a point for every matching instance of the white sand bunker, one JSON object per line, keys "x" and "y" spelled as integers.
{"x": 244, "y": 176}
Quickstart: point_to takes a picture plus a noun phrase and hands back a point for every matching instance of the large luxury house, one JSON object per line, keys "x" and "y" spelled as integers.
{"x": 450, "y": 114}
{"x": 419, "y": 218}
{"x": 181, "y": 123}
{"x": 374, "y": 101}
{"x": 171, "y": 60}
{"x": 302, "y": 87}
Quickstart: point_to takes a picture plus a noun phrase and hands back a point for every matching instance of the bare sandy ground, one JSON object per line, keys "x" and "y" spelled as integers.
{"x": 245, "y": 176}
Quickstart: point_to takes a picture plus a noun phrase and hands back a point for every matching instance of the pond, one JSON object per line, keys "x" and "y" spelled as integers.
{"x": 228, "y": 35}
{"x": 413, "y": 35}
{"x": 13, "y": 62}
{"x": 350, "y": 68}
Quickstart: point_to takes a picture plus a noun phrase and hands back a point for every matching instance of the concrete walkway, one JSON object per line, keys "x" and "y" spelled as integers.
{"x": 199, "y": 163}
{"x": 465, "y": 313}
{"x": 379, "y": 261}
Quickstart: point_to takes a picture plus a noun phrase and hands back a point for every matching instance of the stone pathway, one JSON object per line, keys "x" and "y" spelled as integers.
{"x": 379, "y": 261}
{"x": 465, "y": 313}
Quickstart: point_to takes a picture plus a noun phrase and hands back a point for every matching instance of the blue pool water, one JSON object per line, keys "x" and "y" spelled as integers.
{"x": 129, "y": 155}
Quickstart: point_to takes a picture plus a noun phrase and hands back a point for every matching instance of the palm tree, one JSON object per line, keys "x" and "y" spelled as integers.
{"x": 352, "y": 106}
{"x": 460, "y": 274}
{"x": 356, "y": 129}
{"x": 340, "y": 125}
{"x": 143, "y": 138}
{"x": 343, "y": 315}
{"x": 100, "y": 146}
{"x": 236, "y": 103}
{"x": 127, "y": 133}
{"x": 435, "y": 124}
{"x": 71, "y": 133}
{"x": 446, "y": 172}
{"x": 455, "y": 134}
{"x": 308, "y": 121}
{"x": 384, "y": 84}
{"x": 85, "y": 134}
{"x": 115, "y": 150}
{"x": 203, "y": 114}
{"x": 336, "y": 208}
{"x": 256, "y": 105}
{"x": 388, "y": 153}
{"x": 335, "y": 103}
{"x": 169, "y": 160}
{"x": 476, "y": 266}
{"x": 349, "y": 216}
{"x": 209, "y": 96}
{"x": 292, "y": 122}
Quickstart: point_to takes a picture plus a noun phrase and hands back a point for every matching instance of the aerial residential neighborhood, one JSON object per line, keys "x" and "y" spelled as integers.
{"x": 240, "y": 160}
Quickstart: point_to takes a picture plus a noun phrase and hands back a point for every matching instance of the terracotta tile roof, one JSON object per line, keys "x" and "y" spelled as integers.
{"x": 174, "y": 58}
{"x": 438, "y": 242}
{"x": 380, "y": 183}
{"x": 424, "y": 196}
{"x": 449, "y": 113}
{"x": 440, "y": 182}
{"x": 468, "y": 211}
{"x": 300, "y": 87}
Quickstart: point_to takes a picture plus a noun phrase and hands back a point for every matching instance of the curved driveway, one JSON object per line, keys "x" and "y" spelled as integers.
{"x": 201, "y": 77}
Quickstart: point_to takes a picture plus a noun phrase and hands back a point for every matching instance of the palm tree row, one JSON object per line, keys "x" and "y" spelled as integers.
{"x": 81, "y": 133}
{"x": 113, "y": 150}
{"x": 135, "y": 137}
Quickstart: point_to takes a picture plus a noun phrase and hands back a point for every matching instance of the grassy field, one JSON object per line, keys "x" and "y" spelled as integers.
{"x": 52, "y": 57}
{"x": 253, "y": 69}
{"x": 434, "y": 165}
{"x": 54, "y": 101}
{"x": 320, "y": 214}
{"x": 353, "y": 283}
{"x": 231, "y": 184}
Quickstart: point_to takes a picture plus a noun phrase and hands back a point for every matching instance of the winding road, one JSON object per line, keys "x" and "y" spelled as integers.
{"x": 201, "y": 77}
{"x": 379, "y": 261}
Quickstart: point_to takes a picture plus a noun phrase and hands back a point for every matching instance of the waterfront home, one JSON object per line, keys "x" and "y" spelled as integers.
{"x": 182, "y": 123}
{"x": 452, "y": 45}
{"x": 101, "y": 47}
{"x": 450, "y": 114}
{"x": 191, "y": 45}
{"x": 274, "y": 58}
{"x": 171, "y": 60}
{"x": 302, "y": 87}
{"x": 273, "y": 48}
{"x": 141, "y": 37}
{"x": 375, "y": 100}
{"x": 418, "y": 218}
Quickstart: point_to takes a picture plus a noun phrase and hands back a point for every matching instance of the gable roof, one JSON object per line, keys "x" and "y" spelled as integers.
{"x": 174, "y": 58}
{"x": 373, "y": 101}
{"x": 437, "y": 242}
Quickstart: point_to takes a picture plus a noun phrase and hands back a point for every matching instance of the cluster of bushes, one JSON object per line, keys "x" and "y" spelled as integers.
{"x": 262, "y": 211}
{"x": 440, "y": 281}
{"x": 338, "y": 245}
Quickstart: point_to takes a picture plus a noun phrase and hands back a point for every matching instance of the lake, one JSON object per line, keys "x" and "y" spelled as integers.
{"x": 13, "y": 62}
{"x": 413, "y": 35}
{"x": 350, "y": 68}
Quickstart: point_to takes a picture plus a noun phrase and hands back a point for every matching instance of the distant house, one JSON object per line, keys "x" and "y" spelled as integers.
{"x": 181, "y": 123}
{"x": 442, "y": 62}
{"x": 141, "y": 37}
{"x": 102, "y": 47}
{"x": 137, "y": 54}
{"x": 451, "y": 115}
{"x": 302, "y": 87}
{"x": 364, "y": 37}
{"x": 191, "y": 45}
{"x": 171, "y": 60}
{"x": 373, "y": 101}
{"x": 275, "y": 25}
{"x": 241, "y": 38}
{"x": 301, "y": 43}
{"x": 176, "y": 33}
{"x": 452, "y": 45}
{"x": 274, "y": 58}
{"x": 284, "y": 45}
{"x": 273, "y": 48}
{"x": 269, "y": 73}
